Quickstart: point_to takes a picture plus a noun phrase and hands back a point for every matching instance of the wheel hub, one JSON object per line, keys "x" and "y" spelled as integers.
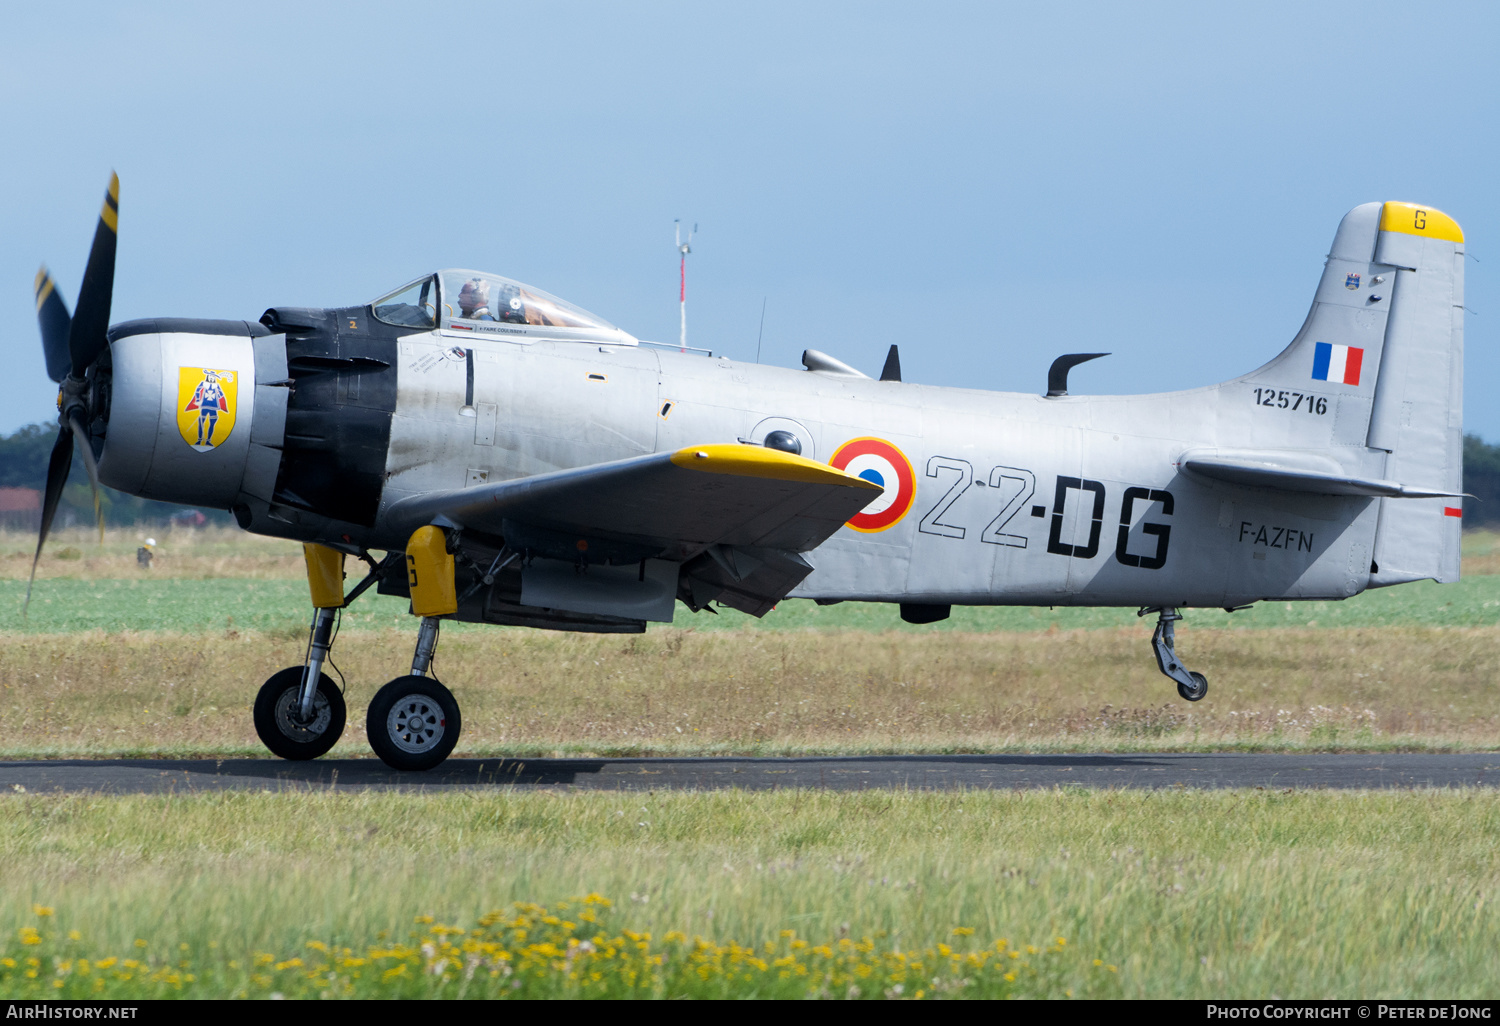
{"x": 289, "y": 719}
{"x": 415, "y": 724}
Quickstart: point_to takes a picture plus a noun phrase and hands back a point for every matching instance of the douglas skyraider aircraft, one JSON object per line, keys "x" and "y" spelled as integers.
{"x": 516, "y": 460}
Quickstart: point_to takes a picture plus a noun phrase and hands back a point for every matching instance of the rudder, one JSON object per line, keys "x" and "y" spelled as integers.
{"x": 1417, "y": 417}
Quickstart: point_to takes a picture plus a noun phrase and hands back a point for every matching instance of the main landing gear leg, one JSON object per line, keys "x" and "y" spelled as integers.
{"x": 317, "y": 654}
{"x": 413, "y": 722}
{"x": 1190, "y": 684}
{"x": 299, "y": 713}
{"x": 427, "y": 639}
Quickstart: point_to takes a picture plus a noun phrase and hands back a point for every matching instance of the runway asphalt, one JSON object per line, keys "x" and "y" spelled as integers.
{"x": 923, "y": 772}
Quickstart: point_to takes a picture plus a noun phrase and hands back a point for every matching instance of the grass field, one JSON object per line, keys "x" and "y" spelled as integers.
{"x": 1188, "y": 894}
{"x": 117, "y": 661}
{"x": 676, "y": 692}
{"x": 1161, "y": 894}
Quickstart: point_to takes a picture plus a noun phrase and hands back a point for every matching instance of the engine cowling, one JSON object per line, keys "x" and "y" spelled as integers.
{"x": 197, "y": 411}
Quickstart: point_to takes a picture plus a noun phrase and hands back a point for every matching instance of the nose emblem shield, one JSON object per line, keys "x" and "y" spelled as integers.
{"x": 207, "y": 400}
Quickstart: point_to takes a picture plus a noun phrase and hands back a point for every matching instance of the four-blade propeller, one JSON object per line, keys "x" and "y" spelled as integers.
{"x": 72, "y": 345}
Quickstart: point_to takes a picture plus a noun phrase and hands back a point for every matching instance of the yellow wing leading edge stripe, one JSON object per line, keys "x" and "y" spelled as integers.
{"x": 1414, "y": 219}
{"x": 757, "y": 461}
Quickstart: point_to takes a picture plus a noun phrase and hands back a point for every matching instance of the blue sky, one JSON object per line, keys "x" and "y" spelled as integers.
{"x": 987, "y": 185}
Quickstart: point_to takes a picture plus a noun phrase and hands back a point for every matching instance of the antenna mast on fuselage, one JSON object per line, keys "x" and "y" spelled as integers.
{"x": 684, "y": 248}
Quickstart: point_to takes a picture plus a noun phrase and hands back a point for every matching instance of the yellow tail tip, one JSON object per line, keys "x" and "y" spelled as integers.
{"x": 1415, "y": 219}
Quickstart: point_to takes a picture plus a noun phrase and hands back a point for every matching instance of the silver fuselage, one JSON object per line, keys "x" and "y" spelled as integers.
{"x": 1009, "y": 499}
{"x": 976, "y": 455}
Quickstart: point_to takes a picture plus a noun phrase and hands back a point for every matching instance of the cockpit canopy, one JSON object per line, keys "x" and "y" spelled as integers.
{"x": 474, "y": 302}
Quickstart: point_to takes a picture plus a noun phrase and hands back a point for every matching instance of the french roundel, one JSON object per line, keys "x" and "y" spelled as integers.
{"x": 880, "y": 462}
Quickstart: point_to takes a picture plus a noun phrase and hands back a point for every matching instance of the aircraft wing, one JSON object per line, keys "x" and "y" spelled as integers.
{"x": 736, "y": 515}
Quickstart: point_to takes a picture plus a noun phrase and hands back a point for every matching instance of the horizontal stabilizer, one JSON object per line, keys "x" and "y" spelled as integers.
{"x": 1289, "y": 472}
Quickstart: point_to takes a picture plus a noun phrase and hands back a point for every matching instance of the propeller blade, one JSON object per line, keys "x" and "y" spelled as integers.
{"x": 90, "y": 330}
{"x": 86, "y": 450}
{"x": 52, "y": 314}
{"x": 57, "y": 477}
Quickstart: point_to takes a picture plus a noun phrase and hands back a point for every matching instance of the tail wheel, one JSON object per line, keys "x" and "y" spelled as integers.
{"x": 1199, "y": 689}
{"x": 283, "y": 730}
{"x": 413, "y": 723}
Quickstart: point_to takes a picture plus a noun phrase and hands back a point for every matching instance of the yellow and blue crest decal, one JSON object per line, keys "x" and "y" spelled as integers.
{"x": 207, "y": 400}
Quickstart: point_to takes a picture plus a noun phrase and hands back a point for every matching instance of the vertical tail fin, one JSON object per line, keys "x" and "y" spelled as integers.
{"x": 1337, "y": 353}
{"x": 1382, "y": 349}
{"x": 1417, "y": 418}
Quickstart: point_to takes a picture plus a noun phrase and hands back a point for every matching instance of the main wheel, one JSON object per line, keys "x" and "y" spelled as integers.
{"x": 413, "y": 723}
{"x": 280, "y": 727}
{"x": 1195, "y": 693}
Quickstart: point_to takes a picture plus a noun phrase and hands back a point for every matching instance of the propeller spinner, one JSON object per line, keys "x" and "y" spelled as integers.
{"x": 72, "y": 346}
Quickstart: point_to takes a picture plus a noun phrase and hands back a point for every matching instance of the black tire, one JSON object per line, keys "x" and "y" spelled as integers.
{"x": 278, "y": 728}
{"x": 1194, "y": 694}
{"x": 413, "y": 723}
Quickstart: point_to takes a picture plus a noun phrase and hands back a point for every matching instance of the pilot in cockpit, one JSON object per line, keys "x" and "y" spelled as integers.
{"x": 474, "y": 300}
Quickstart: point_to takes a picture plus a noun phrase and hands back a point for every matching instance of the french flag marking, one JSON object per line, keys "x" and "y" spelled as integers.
{"x": 1339, "y": 364}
